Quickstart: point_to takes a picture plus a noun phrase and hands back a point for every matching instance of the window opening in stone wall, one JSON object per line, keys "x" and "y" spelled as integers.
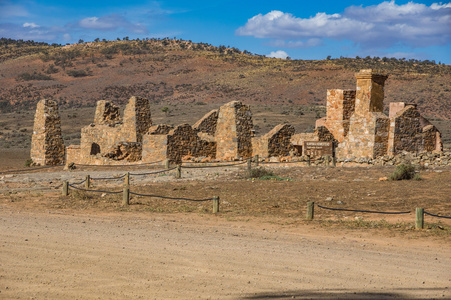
{"x": 95, "y": 149}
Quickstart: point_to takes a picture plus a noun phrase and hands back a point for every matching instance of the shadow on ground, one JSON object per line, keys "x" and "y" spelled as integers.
{"x": 405, "y": 294}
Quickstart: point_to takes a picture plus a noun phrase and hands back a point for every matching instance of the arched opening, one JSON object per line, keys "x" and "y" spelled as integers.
{"x": 95, "y": 148}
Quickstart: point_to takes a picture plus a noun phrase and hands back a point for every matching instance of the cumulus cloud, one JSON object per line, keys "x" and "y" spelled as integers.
{"x": 30, "y": 32}
{"x": 278, "y": 54}
{"x": 381, "y": 26}
{"x": 31, "y": 25}
{"x": 110, "y": 23}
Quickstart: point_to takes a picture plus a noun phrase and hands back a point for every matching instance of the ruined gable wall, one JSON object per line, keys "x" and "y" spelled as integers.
{"x": 47, "y": 145}
{"x": 406, "y": 131}
{"x": 102, "y": 135}
{"x": 279, "y": 140}
{"x": 207, "y": 124}
{"x": 182, "y": 141}
{"x": 234, "y": 131}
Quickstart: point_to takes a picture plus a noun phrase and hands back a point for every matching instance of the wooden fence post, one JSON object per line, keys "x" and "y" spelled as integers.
{"x": 419, "y": 218}
{"x": 334, "y": 162}
{"x": 215, "y": 204}
{"x": 308, "y": 160}
{"x": 249, "y": 165}
{"x": 166, "y": 163}
{"x": 256, "y": 160}
{"x": 127, "y": 179}
{"x": 326, "y": 158}
{"x": 65, "y": 188}
{"x": 178, "y": 173}
{"x": 310, "y": 210}
{"x": 126, "y": 195}
{"x": 88, "y": 181}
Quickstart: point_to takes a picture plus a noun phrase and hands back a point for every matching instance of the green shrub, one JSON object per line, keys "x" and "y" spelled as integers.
{"x": 28, "y": 162}
{"x": 404, "y": 172}
{"x": 260, "y": 172}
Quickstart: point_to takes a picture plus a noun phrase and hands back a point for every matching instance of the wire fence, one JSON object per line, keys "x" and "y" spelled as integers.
{"x": 30, "y": 169}
{"x": 97, "y": 191}
{"x": 437, "y": 216}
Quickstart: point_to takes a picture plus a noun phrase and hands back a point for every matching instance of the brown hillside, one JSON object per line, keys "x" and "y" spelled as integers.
{"x": 175, "y": 71}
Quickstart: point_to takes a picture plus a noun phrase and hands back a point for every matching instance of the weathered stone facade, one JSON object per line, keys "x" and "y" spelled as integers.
{"x": 354, "y": 123}
{"x": 180, "y": 142}
{"x": 277, "y": 142}
{"x": 234, "y": 131}
{"x": 108, "y": 140}
{"x": 47, "y": 145}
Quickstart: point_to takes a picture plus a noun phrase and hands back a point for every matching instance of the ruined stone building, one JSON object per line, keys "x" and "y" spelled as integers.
{"x": 47, "y": 146}
{"x": 361, "y": 129}
{"x": 355, "y": 124}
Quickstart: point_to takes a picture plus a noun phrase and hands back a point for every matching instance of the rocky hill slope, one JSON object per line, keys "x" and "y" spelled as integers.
{"x": 176, "y": 71}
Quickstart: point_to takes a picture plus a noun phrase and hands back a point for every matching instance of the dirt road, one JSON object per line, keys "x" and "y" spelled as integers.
{"x": 73, "y": 255}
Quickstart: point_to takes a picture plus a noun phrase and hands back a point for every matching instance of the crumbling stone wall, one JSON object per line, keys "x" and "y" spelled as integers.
{"x": 137, "y": 119}
{"x": 340, "y": 107}
{"x": 47, "y": 145}
{"x": 207, "y": 124}
{"x": 406, "y": 133}
{"x": 277, "y": 142}
{"x": 160, "y": 129}
{"x": 107, "y": 113}
{"x": 369, "y": 127}
{"x": 129, "y": 151}
{"x": 234, "y": 131}
{"x": 180, "y": 142}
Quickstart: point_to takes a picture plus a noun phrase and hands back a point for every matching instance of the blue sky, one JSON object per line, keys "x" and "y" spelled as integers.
{"x": 299, "y": 29}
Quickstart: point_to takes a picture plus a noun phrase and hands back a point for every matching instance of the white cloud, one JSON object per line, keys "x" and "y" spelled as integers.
{"x": 380, "y": 26}
{"x": 31, "y": 25}
{"x": 110, "y": 23}
{"x": 278, "y": 54}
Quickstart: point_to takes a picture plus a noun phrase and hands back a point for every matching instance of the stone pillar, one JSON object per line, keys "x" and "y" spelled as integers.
{"x": 234, "y": 131}
{"x": 370, "y": 92}
{"x": 47, "y": 145}
{"x": 137, "y": 119}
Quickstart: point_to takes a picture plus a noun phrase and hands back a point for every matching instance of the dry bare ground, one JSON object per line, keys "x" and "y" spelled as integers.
{"x": 87, "y": 246}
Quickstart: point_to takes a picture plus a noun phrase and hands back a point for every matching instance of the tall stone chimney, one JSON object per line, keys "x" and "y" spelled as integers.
{"x": 370, "y": 92}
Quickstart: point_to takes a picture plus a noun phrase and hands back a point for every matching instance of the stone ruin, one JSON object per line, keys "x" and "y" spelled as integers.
{"x": 355, "y": 124}
{"x": 47, "y": 145}
{"x": 361, "y": 129}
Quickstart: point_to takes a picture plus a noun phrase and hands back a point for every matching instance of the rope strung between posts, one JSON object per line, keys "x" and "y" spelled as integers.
{"x": 366, "y": 211}
{"x": 98, "y": 191}
{"x": 215, "y": 166}
{"x": 107, "y": 178}
{"x": 437, "y": 216}
{"x": 150, "y": 173}
{"x": 171, "y": 198}
{"x": 33, "y": 169}
{"x": 77, "y": 183}
{"x": 130, "y": 165}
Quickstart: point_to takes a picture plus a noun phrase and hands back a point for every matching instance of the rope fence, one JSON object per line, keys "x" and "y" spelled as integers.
{"x": 31, "y": 169}
{"x": 419, "y": 213}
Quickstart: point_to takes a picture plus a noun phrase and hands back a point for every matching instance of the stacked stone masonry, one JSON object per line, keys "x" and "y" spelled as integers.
{"x": 47, "y": 145}
{"x": 354, "y": 122}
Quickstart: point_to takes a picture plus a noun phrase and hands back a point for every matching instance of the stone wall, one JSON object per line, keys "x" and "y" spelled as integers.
{"x": 406, "y": 133}
{"x": 180, "y": 142}
{"x": 160, "y": 129}
{"x": 207, "y": 124}
{"x": 234, "y": 131}
{"x": 129, "y": 151}
{"x": 340, "y": 107}
{"x": 137, "y": 119}
{"x": 277, "y": 142}
{"x": 107, "y": 113}
{"x": 47, "y": 145}
{"x": 368, "y": 126}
